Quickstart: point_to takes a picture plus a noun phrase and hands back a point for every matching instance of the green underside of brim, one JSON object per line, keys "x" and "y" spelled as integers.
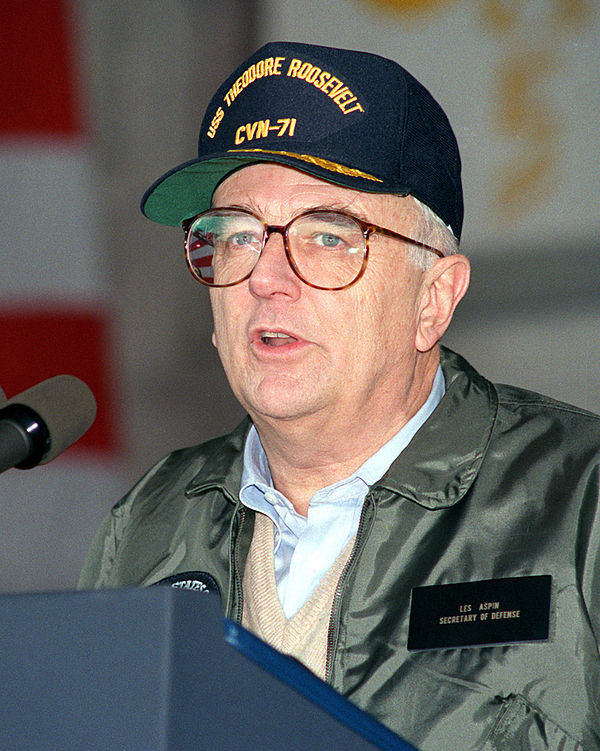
{"x": 187, "y": 191}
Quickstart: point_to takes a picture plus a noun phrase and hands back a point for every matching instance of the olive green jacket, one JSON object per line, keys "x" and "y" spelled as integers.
{"x": 498, "y": 483}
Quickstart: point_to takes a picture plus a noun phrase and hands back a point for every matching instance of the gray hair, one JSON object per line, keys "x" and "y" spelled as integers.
{"x": 430, "y": 229}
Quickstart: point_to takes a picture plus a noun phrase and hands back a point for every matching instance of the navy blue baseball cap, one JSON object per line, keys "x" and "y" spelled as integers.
{"x": 354, "y": 119}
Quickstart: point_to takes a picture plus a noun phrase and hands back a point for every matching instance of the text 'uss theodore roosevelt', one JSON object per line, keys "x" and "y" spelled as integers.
{"x": 321, "y": 79}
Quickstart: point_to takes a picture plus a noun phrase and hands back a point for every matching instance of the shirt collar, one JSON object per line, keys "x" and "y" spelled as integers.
{"x": 378, "y": 464}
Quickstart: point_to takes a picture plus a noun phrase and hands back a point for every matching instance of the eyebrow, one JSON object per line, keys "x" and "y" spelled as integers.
{"x": 250, "y": 205}
{"x": 344, "y": 208}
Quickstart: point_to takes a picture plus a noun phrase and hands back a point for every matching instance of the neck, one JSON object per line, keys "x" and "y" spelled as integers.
{"x": 309, "y": 453}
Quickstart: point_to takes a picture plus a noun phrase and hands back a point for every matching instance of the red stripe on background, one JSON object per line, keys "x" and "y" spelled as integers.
{"x": 36, "y": 345}
{"x": 37, "y": 84}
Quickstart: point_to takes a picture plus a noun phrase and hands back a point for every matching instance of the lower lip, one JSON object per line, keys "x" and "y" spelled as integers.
{"x": 281, "y": 350}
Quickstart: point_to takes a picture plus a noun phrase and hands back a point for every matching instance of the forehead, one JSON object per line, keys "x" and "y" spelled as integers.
{"x": 277, "y": 193}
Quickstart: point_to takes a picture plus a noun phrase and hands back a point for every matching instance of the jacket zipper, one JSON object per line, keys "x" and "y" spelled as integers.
{"x": 235, "y": 584}
{"x": 334, "y": 618}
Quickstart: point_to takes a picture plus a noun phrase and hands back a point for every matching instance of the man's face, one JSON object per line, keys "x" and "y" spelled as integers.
{"x": 336, "y": 353}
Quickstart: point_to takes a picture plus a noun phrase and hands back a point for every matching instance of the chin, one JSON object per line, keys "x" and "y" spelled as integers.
{"x": 283, "y": 396}
{"x": 281, "y": 406}
{"x": 279, "y": 410}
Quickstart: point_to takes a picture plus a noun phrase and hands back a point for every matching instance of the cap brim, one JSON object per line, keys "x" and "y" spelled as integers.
{"x": 187, "y": 189}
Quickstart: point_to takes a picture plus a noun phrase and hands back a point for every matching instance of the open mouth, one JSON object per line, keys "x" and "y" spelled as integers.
{"x": 276, "y": 339}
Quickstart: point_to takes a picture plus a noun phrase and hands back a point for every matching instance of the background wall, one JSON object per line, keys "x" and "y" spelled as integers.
{"x": 519, "y": 81}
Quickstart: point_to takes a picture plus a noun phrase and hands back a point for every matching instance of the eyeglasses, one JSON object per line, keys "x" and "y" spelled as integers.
{"x": 326, "y": 249}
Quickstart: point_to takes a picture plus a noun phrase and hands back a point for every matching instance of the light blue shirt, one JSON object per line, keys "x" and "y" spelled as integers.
{"x": 306, "y": 547}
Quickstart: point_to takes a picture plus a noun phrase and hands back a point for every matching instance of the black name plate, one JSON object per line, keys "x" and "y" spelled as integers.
{"x": 493, "y": 611}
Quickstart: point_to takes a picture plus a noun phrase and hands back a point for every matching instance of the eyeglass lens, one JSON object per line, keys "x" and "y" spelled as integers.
{"x": 326, "y": 248}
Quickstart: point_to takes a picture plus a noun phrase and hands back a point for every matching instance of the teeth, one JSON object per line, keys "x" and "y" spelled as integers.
{"x": 270, "y": 337}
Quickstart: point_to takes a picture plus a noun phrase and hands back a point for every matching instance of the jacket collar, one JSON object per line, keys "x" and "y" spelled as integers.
{"x": 435, "y": 470}
{"x": 222, "y": 464}
{"x": 443, "y": 459}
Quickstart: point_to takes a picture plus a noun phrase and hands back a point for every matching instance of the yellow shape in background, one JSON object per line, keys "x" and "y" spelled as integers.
{"x": 408, "y": 5}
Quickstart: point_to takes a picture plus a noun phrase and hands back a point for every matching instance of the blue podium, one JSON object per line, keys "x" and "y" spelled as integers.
{"x": 159, "y": 669}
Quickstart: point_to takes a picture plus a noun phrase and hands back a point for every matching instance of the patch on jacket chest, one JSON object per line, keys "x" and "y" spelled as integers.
{"x": 194, "y": 581}
{"x": 493, "y": 611}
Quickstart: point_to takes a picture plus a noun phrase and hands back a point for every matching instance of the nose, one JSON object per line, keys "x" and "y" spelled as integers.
{"x": 273, "y": 274}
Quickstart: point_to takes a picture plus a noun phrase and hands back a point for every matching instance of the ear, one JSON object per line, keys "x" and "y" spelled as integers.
{"x": 214, "y": 339}
{"x": 444, "y": 286}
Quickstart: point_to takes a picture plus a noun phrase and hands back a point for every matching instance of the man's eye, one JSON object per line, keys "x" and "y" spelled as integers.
{"x": 329, "y": 240}
{"x": 243, "y": 238}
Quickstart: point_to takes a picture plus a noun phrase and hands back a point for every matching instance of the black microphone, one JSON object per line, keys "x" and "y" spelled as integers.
{"x": 36, "y": 425}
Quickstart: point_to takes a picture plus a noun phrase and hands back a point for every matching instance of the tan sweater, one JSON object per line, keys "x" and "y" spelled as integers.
{"x": 304, "y": 635}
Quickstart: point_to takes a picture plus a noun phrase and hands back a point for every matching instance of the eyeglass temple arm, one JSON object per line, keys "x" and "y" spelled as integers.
{"x": 398, "y": 236}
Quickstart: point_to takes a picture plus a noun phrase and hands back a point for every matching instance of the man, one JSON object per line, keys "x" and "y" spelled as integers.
{"x": 424, "y": 540}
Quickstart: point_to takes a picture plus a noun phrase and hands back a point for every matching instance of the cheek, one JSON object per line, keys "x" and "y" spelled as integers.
{"x": 221, "y": 319}
{"x": 388, "y": 309}
{"x": 230, "y": 328}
